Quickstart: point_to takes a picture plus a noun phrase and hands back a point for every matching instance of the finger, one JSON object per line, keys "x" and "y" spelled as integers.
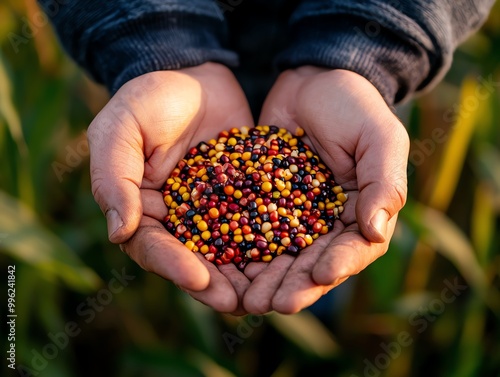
{"x": 156, "y": 250}
{"x": 254, "y": 269}
{"x": 153, "y": 204}
{"x": 298, "y": 289}
{"x": 348, "y": 254}
{"x": 381, "y": 170}
{"x": 116, "y": 168}
{"x": 258, "y": 298}
{"x": 220, "y": 293}
{"x": 239, "y": 282}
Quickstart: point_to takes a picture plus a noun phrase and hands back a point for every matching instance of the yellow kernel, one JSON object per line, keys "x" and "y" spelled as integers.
{"x": 197, "y": 219}
{"x": 249, "y": 237}
{"x": 294, "y": 223}
{"x": 237, "y": 231}
{"x": 272, "y": 247}
{"x": 282, "y": 211}
{"x": 262, "y": 208}
{"x": 206, "y": 235}
{"x": 182, "y": 190}
{"x": 190, "y": 245}
{"x": 269, "y": 235}
{"x": 267, "y": 258}
{"x": 176, "y": 186}
{"x": 324, "y": 230}
{"x": 267, "y": 186}
{"x": 285, "y": 193}
{"x": 195, "y": 238}
{"x": 232, "y": 141}
{"x": 246, "y": 156}
{"x": 238, "y": 238}
{"x": 202, "y": 225}
{"x": 237, "y": 194}
{"x": 224, "y": 228}
{"x": 276, "y": 194}
{"x": 204, "y": 249}
{"x": 168, "y": 200}
{"x": 280, "y": 185}
{"x": 280, "y": 250}
{"x": 173, "y": 218}
{"x": 186, "y": 196}
{"x": 236, "y": 217}
{"x": 337, "y": 189}
{"x": 342, "y": 197}
{"x": 234, "y": 156}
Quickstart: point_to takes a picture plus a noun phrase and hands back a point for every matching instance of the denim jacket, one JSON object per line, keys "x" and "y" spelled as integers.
{"x": 401, "y": 46}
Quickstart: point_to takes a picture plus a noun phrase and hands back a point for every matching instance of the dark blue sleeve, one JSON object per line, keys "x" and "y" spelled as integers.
{"x": 401, "y": 46}
{"x": 115, "y": 41}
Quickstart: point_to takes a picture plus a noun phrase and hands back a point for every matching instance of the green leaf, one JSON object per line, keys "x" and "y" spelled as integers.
{"x": 454, "y": 245}
{"x": 25, "y": 239}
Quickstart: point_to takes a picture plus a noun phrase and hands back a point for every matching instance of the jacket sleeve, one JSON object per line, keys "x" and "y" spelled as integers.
{"x": 115, "y": 41}
{"x": 401, "y": 46}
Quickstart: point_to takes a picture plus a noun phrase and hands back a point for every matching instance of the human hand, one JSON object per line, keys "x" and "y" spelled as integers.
{"x": 135, "y": 142}
{"x": 353, "y": 130}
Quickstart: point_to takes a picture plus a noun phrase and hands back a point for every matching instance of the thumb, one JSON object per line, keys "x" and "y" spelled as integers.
{"x": 381, "y": 173}
{"x": 116, "y": 170}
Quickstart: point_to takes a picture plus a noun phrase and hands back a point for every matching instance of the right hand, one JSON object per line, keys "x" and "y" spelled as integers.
{"x": 135, "y": 142}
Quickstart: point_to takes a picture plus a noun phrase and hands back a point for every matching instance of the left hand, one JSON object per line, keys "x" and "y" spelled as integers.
{"x": 350, "y": 126}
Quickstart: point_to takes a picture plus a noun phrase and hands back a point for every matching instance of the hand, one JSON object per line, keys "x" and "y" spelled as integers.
{"x": 135, "y": 142}
{"x": 355, "y": 133}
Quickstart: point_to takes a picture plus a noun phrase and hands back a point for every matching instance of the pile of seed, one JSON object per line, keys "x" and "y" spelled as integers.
{"x": 251, "y": 195}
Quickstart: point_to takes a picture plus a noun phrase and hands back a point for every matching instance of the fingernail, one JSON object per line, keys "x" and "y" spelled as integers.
{"x": 379, "y": 224}
{"x": 115, "y": 222}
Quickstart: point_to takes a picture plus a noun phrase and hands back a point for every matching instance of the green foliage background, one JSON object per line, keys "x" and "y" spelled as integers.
{"x": 399, "y": 317}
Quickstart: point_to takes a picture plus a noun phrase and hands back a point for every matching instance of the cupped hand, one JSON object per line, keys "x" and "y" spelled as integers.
{"x": 135, "y": 142}
{"x": 349, "y": 124}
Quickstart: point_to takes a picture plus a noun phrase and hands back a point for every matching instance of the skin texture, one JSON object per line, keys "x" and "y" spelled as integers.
{"x": 356, "y": 134}
{"x": 149, "y": 124}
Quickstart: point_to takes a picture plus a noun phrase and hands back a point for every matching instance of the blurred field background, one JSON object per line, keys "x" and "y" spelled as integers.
{"x": 430, "y": 306}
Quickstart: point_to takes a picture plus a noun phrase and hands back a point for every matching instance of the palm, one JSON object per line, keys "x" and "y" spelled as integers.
{"x": 345, "y": 123}
{"x": 141, "y": 135}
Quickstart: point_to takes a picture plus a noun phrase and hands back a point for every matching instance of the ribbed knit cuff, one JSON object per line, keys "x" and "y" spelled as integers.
{"x": 158, "y": 41}
{"x": 397, "y": 67}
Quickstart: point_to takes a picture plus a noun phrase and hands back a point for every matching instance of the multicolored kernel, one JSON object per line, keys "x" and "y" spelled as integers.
{"x": 251, "y": 195}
